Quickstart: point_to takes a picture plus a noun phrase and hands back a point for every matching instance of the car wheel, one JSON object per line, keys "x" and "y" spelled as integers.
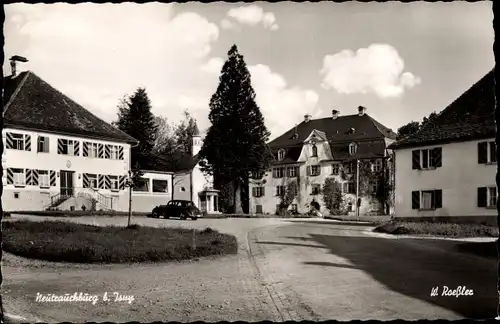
{"x": 165, "y": 216}
{"x": 194, "y": 218}
{"x": 183, "y": 217}
{"x": 155, "y": 214}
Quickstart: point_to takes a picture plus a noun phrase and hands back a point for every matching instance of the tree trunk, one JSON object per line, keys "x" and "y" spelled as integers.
{"x": 237, "y": 197}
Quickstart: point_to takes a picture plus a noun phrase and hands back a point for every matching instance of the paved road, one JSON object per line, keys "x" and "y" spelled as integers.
{"x": 285, "y": 270}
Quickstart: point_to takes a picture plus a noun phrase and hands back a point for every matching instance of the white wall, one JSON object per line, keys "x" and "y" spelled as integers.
{"x": 459, "y": 177}
{"x": 145, "y": 201}
{"x": 305, "y": 182}
{"x": 34, "y": 198}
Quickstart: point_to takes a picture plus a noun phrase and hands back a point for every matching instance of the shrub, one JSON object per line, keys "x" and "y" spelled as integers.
{"x": 79, "y": 243}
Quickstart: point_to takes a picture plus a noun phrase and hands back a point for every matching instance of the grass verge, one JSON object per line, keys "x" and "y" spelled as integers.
{"x": 79, "y": 243}
{"x": 437, "y": 229}
{"x": 77, "y": 213}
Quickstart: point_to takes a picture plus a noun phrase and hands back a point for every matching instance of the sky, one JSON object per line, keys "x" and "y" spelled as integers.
{"x": 401, "y": 61}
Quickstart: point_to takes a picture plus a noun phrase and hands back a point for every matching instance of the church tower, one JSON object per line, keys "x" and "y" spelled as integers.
{"x": 196, "y": 140}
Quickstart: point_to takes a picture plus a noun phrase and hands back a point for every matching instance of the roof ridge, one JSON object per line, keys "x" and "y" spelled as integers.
{"x": 377, "y": 124}
{"x": 80, "y": 106}
{"x": 12, "y": 97}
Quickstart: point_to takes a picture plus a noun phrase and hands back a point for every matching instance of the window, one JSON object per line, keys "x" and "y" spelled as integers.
{"x": 351, "y": 187}
{"x": 67, "y": 147}
{"x": 279, "y": 172}
{"x": 349, "y": 168}
{"x": 114, "y": 152}
{"x": 294, "y": 208}
{"x": 335, "y": 168}
{"x": 374, "y": 187}
{"x": 487, "y": 152}
{"x": 280, "y": 190}
{"x": 43, "y": 178}
{"x": 258, "y": 209}
{"x": 16, "y": 195}
{"x": 487, "y": 197}
{"x": 281, "y": 155}
{"x": 292, "y": 171}
{"x": 316, "y": 189}
{"x": 353, "y": 147}
{"x": 258, "y": 191}
{"x": 426, "y": 158}
{"x": 15, "y": 141}
{"x": 427, "y": 199}
{"x": 314, "y": 151}
{"x": 377, "y": 166}
{"x": 160, "y": 185}
{"x": 43, "y": 144}
{"x": 142, "y": 185}
{"x": 257, "y": 175}
{"x": 114, "y": 184}
{"x": 92, "y": 180}
{"x": 19, "y": 177}
{"x": 314, "y": 170}
{"x": 93, "y": 147}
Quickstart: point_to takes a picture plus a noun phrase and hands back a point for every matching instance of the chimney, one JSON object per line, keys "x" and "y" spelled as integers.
{"x": 307, "y": 118}
{"x": 13, "y": 64}
{"x": 361, "y": 110}
{"x": 335, "y": 114}
{"x": 295, "y": 133}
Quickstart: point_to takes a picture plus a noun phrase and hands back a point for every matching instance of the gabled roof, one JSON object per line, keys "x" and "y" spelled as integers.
{"x": 33, "y": 104}
{"x": 471, "y": 116}
{"x": 368, "y": 134}
{"x": 336, "y": 130}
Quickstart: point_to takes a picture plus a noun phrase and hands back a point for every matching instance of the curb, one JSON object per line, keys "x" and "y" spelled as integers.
{"x": 403, "y": 236}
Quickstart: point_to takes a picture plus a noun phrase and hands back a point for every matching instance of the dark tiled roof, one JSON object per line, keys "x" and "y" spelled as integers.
{"x": 365, "y": 150}
{"x": 470, "y": 116}
{"x": 32, "y": 103}
{"x": 368, "y": 134}
{"x": 336, "y": 130}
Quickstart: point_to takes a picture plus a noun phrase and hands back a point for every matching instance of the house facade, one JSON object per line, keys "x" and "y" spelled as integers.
{"x": 448, "y": 168}
{"x": 317, "y": 150}
{"x": 57, "y": 154}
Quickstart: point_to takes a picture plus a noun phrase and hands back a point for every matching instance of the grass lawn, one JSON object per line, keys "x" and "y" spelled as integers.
{"x": 71, "y": 242}
{"x": 438, "y": 229}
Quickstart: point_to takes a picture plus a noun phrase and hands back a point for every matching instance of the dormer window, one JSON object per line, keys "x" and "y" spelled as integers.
{"x": 314, "y": 151}
{"x": 352, "y": 130}
{"x": 281, "y": 155}
{"x": 353, "y": 147}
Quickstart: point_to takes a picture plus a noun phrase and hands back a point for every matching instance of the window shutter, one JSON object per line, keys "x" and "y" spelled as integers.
{"x": 482, "y": 153}
{"x": 438, "y": 198}
{"x": 493, "y": 151}
{"x": 415, "y": 200}
{"x": 319, "y": 168}
{"x": 10, "y": 176}
{"x": 27, "y": 142}
{"x": 437, "y": 157}
{"x": 85, "y": 178}
{"x": 415, "y": 157}
{"x": 308, "y": 170}
{"x": 481, "y": 197}
{"x": 77, "y": 148}
{"x": 263, "y": 191}
{"x": 85, "y": 149}
{"x": 60, "y": 146}
{"x": 52, "y": 178}
{"x": 275, "y": 172}
{"x": 253, "y": 192}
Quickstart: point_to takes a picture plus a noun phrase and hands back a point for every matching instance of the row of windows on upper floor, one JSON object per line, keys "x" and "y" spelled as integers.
{"x": 429, "y": 159}
{"x": 353, "y": 148}
{"x": 487, "y": 197}
{"x": 22, "y": 142}
{"x": 315, "y": 170}
{"x": 348, "y": 187}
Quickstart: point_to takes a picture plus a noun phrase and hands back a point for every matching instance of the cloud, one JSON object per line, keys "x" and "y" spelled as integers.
{"x": 282, "y": 106}
{"x": 226, "y": 24}
{"x": 96, "y": 62}
{"x": 213, "y": 65}
{"x": 377, "y": 69}
{"x": 251, "y": 15}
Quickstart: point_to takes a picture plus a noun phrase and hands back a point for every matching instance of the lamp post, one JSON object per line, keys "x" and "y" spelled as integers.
{"x": 357, "y": 188}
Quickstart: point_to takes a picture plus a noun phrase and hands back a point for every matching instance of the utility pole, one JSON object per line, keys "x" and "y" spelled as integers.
{"x": 357, "y": 187}
{"x": 129, "y": 198}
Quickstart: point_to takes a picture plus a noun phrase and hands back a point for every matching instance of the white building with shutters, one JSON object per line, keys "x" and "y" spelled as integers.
{"x": 320, "y": 149}
{"x": 448, "y": 169}
{"x": 57, "y": 154}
